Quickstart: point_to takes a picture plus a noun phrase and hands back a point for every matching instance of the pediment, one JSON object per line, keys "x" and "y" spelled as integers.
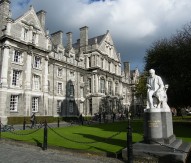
{"x": 108, "y": 48}
{"x": 30, "y": 19}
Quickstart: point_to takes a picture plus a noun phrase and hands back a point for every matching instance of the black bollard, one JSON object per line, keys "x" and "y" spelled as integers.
{"x": 58, "y": 125}
{"x": 24, "y": 124}
{"x": 45, "y": 136}
{"x": 129, "y": 141}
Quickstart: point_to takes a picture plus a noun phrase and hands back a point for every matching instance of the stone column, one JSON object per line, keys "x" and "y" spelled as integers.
{"x": 5, "y": 61}
{"x": 28, "y": 84}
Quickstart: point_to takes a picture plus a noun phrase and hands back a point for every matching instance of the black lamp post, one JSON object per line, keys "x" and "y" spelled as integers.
{"x": 129, "y": 140}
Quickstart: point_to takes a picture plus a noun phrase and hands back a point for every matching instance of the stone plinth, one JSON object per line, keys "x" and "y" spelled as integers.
{"x": 159, "y": 143}
{"x": 158, "y": 126}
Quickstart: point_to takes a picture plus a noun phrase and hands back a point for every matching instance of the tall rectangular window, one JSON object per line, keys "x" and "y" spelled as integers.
{"x": 109, "y": 87}
{"x": 116, "y": 88}
{"x": 17, "y": 57}
{"x": 16, "y": 77}
{"x": 102, "y": 63}
{"x": 37, "y": 62}
{"x": 14, "y": 102}
{"x": 71, "y": 106}
{"x": 59, "y": 72}
{"x": 36, "y": 82}
{"x": 71, "y": 89}
{"x": 59, "y": 102}
{"x": 102, "y": 85}
{"x": 89, "y": 85}
{"x": 59, "y": 88}
{"x": 25, "y": 34}
{"x": 90, "y": 63}
{"x": 35, "y": 104}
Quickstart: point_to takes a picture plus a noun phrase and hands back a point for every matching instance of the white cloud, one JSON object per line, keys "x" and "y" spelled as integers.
{"x": 134, "y": 25}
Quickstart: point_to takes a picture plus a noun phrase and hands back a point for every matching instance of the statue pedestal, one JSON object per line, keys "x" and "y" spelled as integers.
{"x": 159, "y": 143}
{"x": 158, "y": 126}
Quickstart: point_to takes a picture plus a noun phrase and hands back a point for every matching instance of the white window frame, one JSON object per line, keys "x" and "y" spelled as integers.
{"x": 14, "y": 99}
{"x": 59, "y": 87}
{"x": 16, "y": 77}
{"x": 59, "y": 72}
{"x": 17, "y": 56}
{"x": 59, "y": 103}
{"x": 35, "y": 104}
{"x": 37, "y": 62}
{"x": 102, "y": 85}
{"x": 36, "y": 82}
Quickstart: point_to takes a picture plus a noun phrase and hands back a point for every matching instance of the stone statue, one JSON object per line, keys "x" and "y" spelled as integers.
{"x": 156, "y": 92}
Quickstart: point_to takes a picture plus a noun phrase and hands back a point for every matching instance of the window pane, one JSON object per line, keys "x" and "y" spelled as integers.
{"x": 14, "y": 102}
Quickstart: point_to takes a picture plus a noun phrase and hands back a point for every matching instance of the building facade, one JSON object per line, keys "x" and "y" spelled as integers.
{"x": 38, "y": 73}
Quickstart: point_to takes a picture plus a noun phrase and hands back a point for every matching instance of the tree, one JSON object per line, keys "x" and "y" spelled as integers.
{"x": 171, "y": 60}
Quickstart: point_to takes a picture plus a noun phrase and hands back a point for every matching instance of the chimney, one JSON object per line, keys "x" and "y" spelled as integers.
{"x": 69, "y": 43}
{"x": 41, "y": 16}
{"x": 84, "y": 38}
{"x": 4, "y": 12}
{"x": 127, "y": 69}
{"x": 57, "y": 38}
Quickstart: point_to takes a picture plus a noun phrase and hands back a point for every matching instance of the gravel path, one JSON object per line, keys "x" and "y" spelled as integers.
{"x": 13, "y": 152}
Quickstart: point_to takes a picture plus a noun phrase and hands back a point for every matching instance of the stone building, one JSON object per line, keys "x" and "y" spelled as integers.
{"x": 39, "y": 74}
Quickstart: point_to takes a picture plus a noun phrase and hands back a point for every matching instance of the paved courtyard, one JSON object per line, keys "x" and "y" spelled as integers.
{"x": 13, "y": 152}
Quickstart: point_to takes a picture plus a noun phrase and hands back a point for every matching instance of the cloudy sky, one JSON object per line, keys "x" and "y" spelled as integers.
{"x": 133, "y": 24}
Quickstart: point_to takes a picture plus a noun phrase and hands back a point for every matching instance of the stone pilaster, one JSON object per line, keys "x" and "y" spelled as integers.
{"x": 5, "y": 60}
{"x": 28, "y": 71}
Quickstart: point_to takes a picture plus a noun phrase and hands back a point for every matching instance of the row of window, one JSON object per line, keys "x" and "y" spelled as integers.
{"x": 18, "y": 58}
{"x": 103, "y": 86}
{"x": 14, "y": 101}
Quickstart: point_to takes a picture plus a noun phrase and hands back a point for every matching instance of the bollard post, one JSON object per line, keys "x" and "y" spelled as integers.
{"x": 129, "y": 141}
{"x": 58, "y": 122}
{"x": 45, "y": 136}
{"x": 24, "y": 124}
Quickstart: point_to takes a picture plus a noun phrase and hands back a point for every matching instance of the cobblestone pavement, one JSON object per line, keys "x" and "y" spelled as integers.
{"x": 13, "y": 152}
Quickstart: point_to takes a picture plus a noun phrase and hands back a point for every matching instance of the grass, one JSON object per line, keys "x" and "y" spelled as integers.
{"x": 109, "y": 138}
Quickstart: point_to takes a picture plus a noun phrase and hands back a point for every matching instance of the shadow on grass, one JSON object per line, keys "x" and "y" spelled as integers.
{"x": 108, "y": 140}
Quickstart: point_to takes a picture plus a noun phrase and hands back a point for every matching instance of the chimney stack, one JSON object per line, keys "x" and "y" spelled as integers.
{"x": 84, "y": 38}
{"x": 127, "y": 69}
{"x": 57, "y": 38}
{"x": 41, "y": 16}
{"x": 69, "y": 41}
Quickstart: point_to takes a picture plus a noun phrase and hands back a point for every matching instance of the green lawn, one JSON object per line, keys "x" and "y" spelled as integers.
{"x": 109, "y": 138}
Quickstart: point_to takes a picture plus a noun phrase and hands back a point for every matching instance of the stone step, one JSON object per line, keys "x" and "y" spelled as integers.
{"x": 176, "y": 144}
{"x": 185, "y": 147}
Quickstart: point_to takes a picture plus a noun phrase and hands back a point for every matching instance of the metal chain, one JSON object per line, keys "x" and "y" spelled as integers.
{"x": 106, "y": 139}
{"x": 24, "y": 134}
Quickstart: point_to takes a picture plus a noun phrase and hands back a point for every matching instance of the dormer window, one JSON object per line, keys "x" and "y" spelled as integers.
{"x": 60, "y": 55}
{"x": 25, "y": 34}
